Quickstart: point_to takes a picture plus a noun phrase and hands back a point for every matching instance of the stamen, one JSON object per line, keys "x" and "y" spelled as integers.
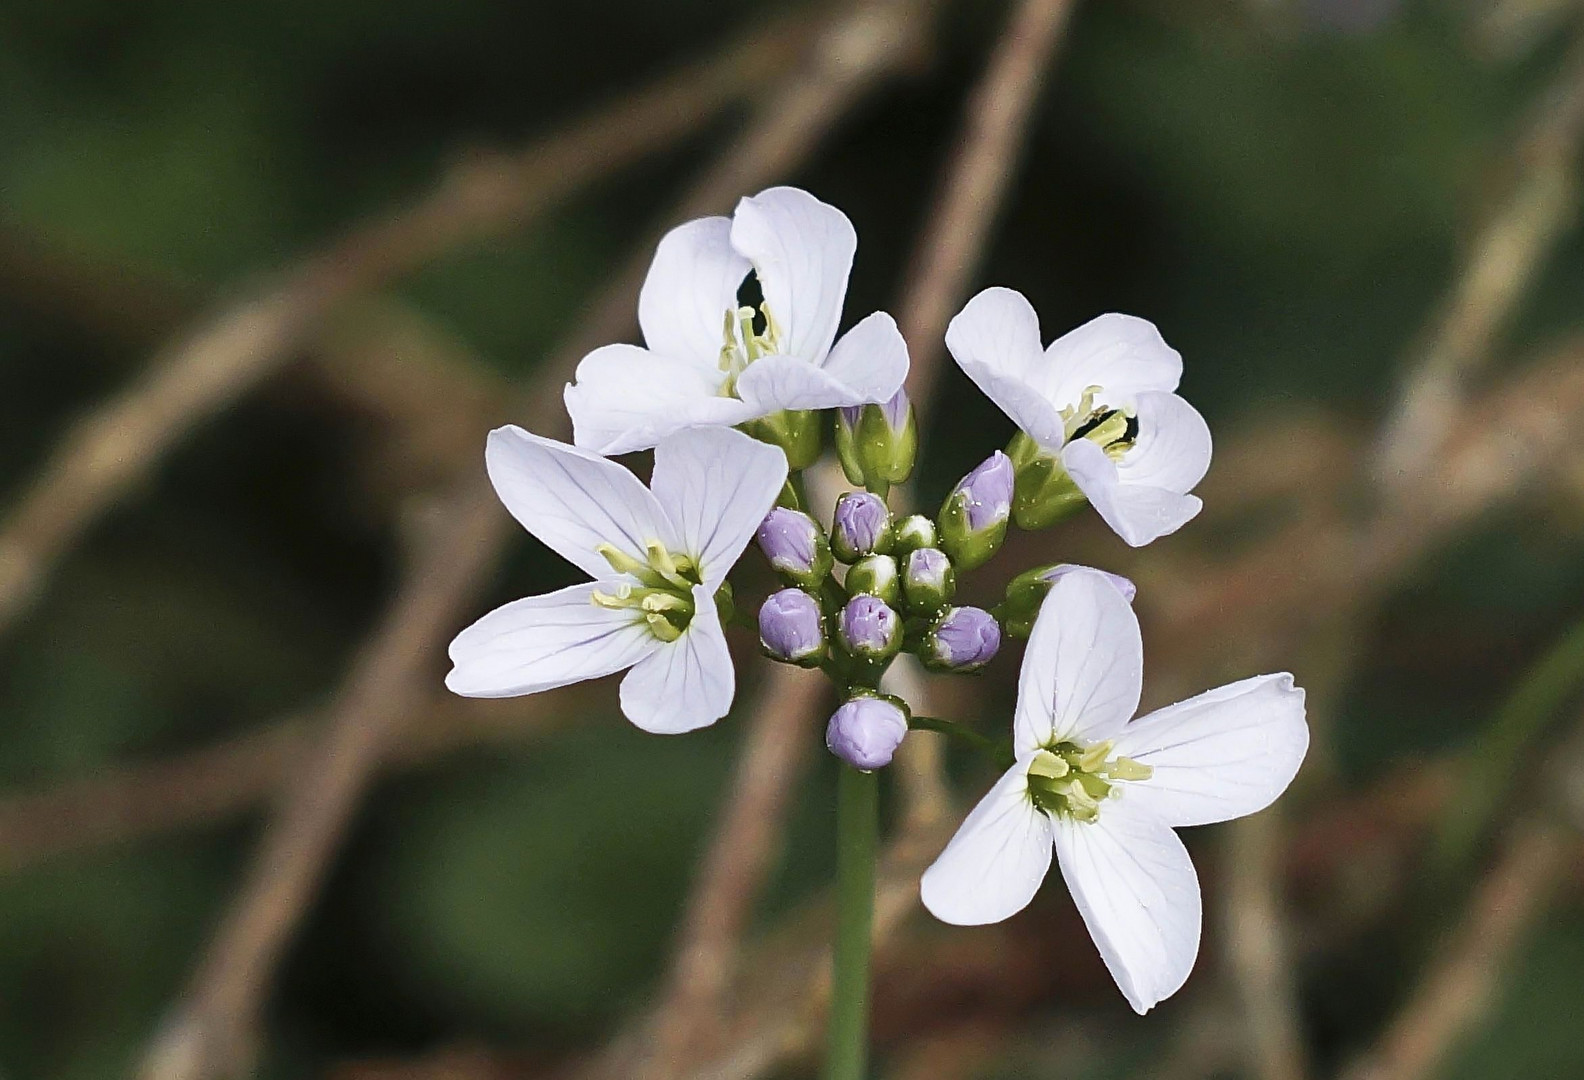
{"x": 623, "y": 563}
{"x": 1073, "y": 781}
{"x": 662, "y": 628}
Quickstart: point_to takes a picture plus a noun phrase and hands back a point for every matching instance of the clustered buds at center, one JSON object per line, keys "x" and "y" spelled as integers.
{"x": 973, "y": 521}
{"x": 796, "y": 546}
{"x": 861, "y": 526}
{"x": 869, "y": 628}
{"x": 866, "y": 731}
{"x": 877, "y": 443}
{"x": 792, "y": 628}
{"x": 963, "y": 639}
{"x": 928, "y": 580}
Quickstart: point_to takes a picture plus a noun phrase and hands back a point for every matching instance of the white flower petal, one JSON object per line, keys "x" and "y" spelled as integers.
{"x": 692, "y": 284}
{"x": 573, "y": 500}
{"x": 685, "y": 684}
{"x": 994, "y": 865}
{"x": 997, "y": 330}
{"x": 716, "y": 485}
{"x": 1123, "y": 355}
{"x": 543, "y": 642}
{"x": 1172, "y": 450}
{"x": 1023, "y": 403}
{"x": 1138, "y": 513}
{"x": 1084, "y": 666}
{"x": 871, "y": 358}
{"x": 802, "y": 251}
{"x": 627, "y": 398}
{"x": 773, "y": 383}
{"x": 1218, "y": 756}
{"x": 1134, "y": 885}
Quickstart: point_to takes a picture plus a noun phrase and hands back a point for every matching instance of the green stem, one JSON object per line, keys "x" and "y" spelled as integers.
{"x": 857, "y": 825}
{"x": 1501, "y": 753}
{"x": 998, "y": 749}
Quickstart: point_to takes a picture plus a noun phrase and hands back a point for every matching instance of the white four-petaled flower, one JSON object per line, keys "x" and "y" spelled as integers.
{"x": 1106, "y": 793}
{"x": 712, "y": 360}
{"x": 657, "y": 554}
{"x": 1100, "y": 399}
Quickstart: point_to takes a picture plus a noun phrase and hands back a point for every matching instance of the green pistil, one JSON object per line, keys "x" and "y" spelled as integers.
{"x": 741, "y": 345}
{"x": 1073, "y": 781}
{"x": 663, "y": 596}
{"x": 1113, "y": 430}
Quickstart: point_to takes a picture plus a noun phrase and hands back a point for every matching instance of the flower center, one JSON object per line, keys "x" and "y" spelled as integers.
{"x": 1113, "y": 430}
{"x": 662, "y": 597}
{"x": 1072, "y": 781}
{"x": 750, "y": 332}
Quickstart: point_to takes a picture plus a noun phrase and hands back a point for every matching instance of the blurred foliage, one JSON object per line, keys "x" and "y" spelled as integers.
{"x": 1285, "y": 201}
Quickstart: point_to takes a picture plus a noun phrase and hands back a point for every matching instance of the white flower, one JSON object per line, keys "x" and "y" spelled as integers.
{"x": 657, "y": 555}
{"x": 1099, "y": 399}
{"x": 711, "y": 360}
{"x": 1106, "y": 792}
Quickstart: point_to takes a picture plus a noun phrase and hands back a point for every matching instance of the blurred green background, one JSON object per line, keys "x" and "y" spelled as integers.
{"x": 1283, "y": 187}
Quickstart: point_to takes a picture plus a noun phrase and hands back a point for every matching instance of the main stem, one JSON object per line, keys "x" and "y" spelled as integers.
{"x": 857, "y": 826}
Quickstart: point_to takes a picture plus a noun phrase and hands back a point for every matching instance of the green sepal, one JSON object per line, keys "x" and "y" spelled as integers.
{"x": 796, "y": 432}
{"x": 876, "y": 575}
{"x": 1042, "y": 492}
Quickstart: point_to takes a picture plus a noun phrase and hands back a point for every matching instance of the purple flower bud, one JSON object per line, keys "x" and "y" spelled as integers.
{"x": 973, "y": 520}
{"x": 928, "y": 580}
{"x": 964, "y": 639}
{"x": 861, "y": 526}
{"x": 987, "y": 492}
{"x": 795, "y": 545}
{"x": 791, "y": 627}
{"x": 866, "y": 731}
{"x": 869, "y": 628}
{"x": 1123, "y": 585}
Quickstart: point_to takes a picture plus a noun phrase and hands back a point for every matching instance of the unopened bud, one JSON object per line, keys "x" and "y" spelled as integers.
{"x": 796, "y": 546}
{"x": 792, "y": 628}
{"x": 963, "y": 639}
{"x": 866, "y": 731}
{"x": 869, "y": 628}
{"x": 860, "y": 526}
{"x": 877, "y": 444}
{"x": 1026, "y": 592}
{"x": 912, "y": 532}
{"x": 928, "y": 580}
{"x": 875, "y": 575}
{"x": 973, "y": 521}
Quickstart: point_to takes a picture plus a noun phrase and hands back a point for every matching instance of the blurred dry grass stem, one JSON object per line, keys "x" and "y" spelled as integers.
{"x": 227, "y": 352}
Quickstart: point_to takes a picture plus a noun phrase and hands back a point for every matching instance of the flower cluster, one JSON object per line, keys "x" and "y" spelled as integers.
{"x": 740, "y": 364}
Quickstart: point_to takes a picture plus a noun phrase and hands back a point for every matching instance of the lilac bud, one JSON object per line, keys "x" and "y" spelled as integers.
{"x": 877, "y": 443}
{"x": 795, "y": 545}
{"x": 928, "y": 580}
{"x": 861, "y": 526}
{"x": 974, "y": 519}
{"x": 1026, "y": 592}
{"x": 962, "y": 640}
{"x": 1123, "y": 585}
{"x": 869, "y": 629}
{"x": 792, "y": 628}
{"x": 866, "y": 731}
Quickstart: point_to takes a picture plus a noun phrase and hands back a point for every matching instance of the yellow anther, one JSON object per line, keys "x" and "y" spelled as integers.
{"x": 1128, "y": 769}
{"x": 661, "y": 627}
{"x": 1094, "y": 758}
{"x": 621, "y": 598}
{"x": 662, "y": 562}
{"x": 623, "y": 563}
{"x": 660, "y": 602}
{"x": 1048, "y": 765}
